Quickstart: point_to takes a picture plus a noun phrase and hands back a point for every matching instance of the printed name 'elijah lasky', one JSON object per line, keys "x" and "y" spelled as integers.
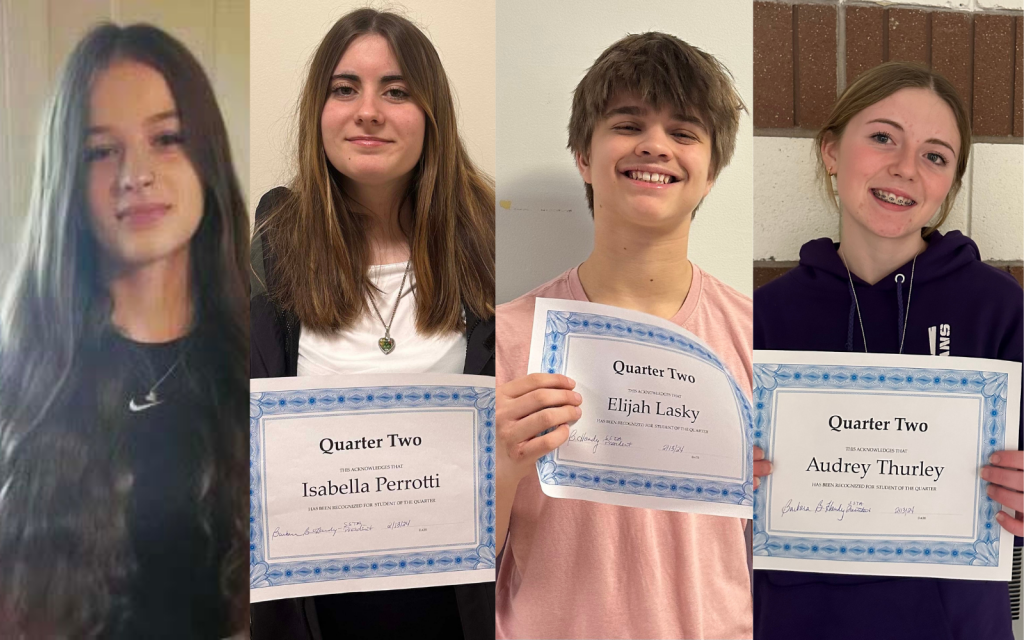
{"x": 629, "y": 407}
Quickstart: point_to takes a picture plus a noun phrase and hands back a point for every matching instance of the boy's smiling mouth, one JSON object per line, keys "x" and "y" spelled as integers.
{"x": 650, "y": 176}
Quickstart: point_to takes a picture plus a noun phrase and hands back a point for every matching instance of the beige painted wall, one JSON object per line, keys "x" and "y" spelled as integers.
{"x": 285, "y": 35}
{"x": 37, "y": 35}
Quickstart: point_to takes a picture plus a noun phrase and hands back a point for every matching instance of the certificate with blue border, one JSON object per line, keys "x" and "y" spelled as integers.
{"x": 876, "y": 463}
{"x": 664, "y": 425}
{"x": 370, "y": 482}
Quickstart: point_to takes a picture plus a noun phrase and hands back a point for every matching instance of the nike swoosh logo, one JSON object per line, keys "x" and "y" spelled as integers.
{"x": 135, "y": 408}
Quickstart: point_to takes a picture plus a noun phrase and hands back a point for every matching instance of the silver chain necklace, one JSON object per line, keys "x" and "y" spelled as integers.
{"x": 151, "y": 399}
{"x": 906, "y": 315}
{"x": 387, "y": 343}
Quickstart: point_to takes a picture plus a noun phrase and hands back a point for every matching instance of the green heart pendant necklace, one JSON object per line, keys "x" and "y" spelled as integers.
{"x": 387, "y": 343}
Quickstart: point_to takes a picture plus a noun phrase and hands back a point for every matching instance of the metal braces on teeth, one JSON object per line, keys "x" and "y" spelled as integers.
{"x": 892, "y": 199}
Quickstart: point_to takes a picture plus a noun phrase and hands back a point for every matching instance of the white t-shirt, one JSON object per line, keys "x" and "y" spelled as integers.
{"x": 355, "y": 350}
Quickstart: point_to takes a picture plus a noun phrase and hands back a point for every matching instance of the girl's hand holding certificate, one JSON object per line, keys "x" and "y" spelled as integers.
{"x": 887, "y": 464}
{"x": 1006, "y": 483}
{"x": 762, "y": 467}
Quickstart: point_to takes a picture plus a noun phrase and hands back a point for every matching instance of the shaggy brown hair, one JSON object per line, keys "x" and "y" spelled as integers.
{"x": 878, "y": 84}
{"x": 317, "y": 235}
{"x": 664, "y": 72}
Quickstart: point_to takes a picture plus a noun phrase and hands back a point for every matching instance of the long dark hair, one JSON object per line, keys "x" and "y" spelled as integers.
{"x": 65, "y": 485}
{"x": 317, "y": 233}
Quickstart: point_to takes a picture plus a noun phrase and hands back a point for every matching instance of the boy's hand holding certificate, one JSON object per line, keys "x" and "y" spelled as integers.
{"x": 664, "y": 425}
{"x": 876, "y": 463}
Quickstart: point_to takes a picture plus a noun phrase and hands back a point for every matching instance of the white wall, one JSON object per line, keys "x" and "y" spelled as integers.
{"x": 286, "y": 34}
{"x": 37, "y": 35}
{"x": 544, "y": 49}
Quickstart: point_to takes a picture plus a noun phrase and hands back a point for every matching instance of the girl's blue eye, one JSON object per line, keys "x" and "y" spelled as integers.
{"x": 95, "y": 154}
{"x": 937, "y": 158}
{"x": 881, "y": 137}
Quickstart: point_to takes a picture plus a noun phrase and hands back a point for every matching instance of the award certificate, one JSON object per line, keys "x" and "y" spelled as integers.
{"x": 664, "y": 424}
{"x": 370, "y": 482}
{"x": 875, "y": 463}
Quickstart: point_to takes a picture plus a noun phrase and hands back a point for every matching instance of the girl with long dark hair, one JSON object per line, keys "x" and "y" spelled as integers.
{"x": 122, "y": 359}
{"x": 378, "y": 258}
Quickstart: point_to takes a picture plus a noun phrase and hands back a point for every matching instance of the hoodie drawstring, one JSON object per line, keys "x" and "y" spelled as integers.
{"x": 901, "y": 329}
{"x": 900, "y": 279}
{"x": 853, "y": 310}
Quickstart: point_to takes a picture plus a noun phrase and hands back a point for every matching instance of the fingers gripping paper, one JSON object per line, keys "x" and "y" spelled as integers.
{"x": 663, "y": 425}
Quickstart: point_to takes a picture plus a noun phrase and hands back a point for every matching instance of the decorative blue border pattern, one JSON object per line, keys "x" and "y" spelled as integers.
{"x": 989, "y": 386}
{"x": 262, "y": 404}
{"x": 559, "y": 325}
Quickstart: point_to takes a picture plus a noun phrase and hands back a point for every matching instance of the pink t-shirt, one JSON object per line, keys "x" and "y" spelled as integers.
{"x": 578, "y": 569}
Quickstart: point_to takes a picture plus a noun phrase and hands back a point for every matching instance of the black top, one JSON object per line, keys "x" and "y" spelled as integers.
{"x": 451, "y": 612}
{"x": 174, "y": 592}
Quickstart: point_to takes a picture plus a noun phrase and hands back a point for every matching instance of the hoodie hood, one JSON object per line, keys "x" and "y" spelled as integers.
{"x": 948, "y": 302}
{"x": 943, "y": 255}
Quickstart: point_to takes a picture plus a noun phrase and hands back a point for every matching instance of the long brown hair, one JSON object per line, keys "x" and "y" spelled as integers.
{"x": 317, "y": 235}
{"x": 65, "y": 484}
{"x": 876, "y": 85}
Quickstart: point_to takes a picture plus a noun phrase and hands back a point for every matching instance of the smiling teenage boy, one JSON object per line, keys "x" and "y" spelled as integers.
{"x": 653, "y": 123}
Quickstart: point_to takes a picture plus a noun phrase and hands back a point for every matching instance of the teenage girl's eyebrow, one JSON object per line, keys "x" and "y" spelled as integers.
{"x": 352, "y": 77}
{"x": 896, "y": 126}
{"x": 170, "y": 114}
{"x": 892, "y": 124}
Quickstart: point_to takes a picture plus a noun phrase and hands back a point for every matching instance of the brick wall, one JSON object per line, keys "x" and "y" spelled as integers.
{"x": 805, "y": 54}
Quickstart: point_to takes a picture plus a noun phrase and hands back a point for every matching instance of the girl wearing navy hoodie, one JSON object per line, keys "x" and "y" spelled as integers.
{"x": 894, "y": 149}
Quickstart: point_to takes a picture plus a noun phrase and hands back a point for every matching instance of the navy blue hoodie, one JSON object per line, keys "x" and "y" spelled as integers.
{"x": 959, "y": 307}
